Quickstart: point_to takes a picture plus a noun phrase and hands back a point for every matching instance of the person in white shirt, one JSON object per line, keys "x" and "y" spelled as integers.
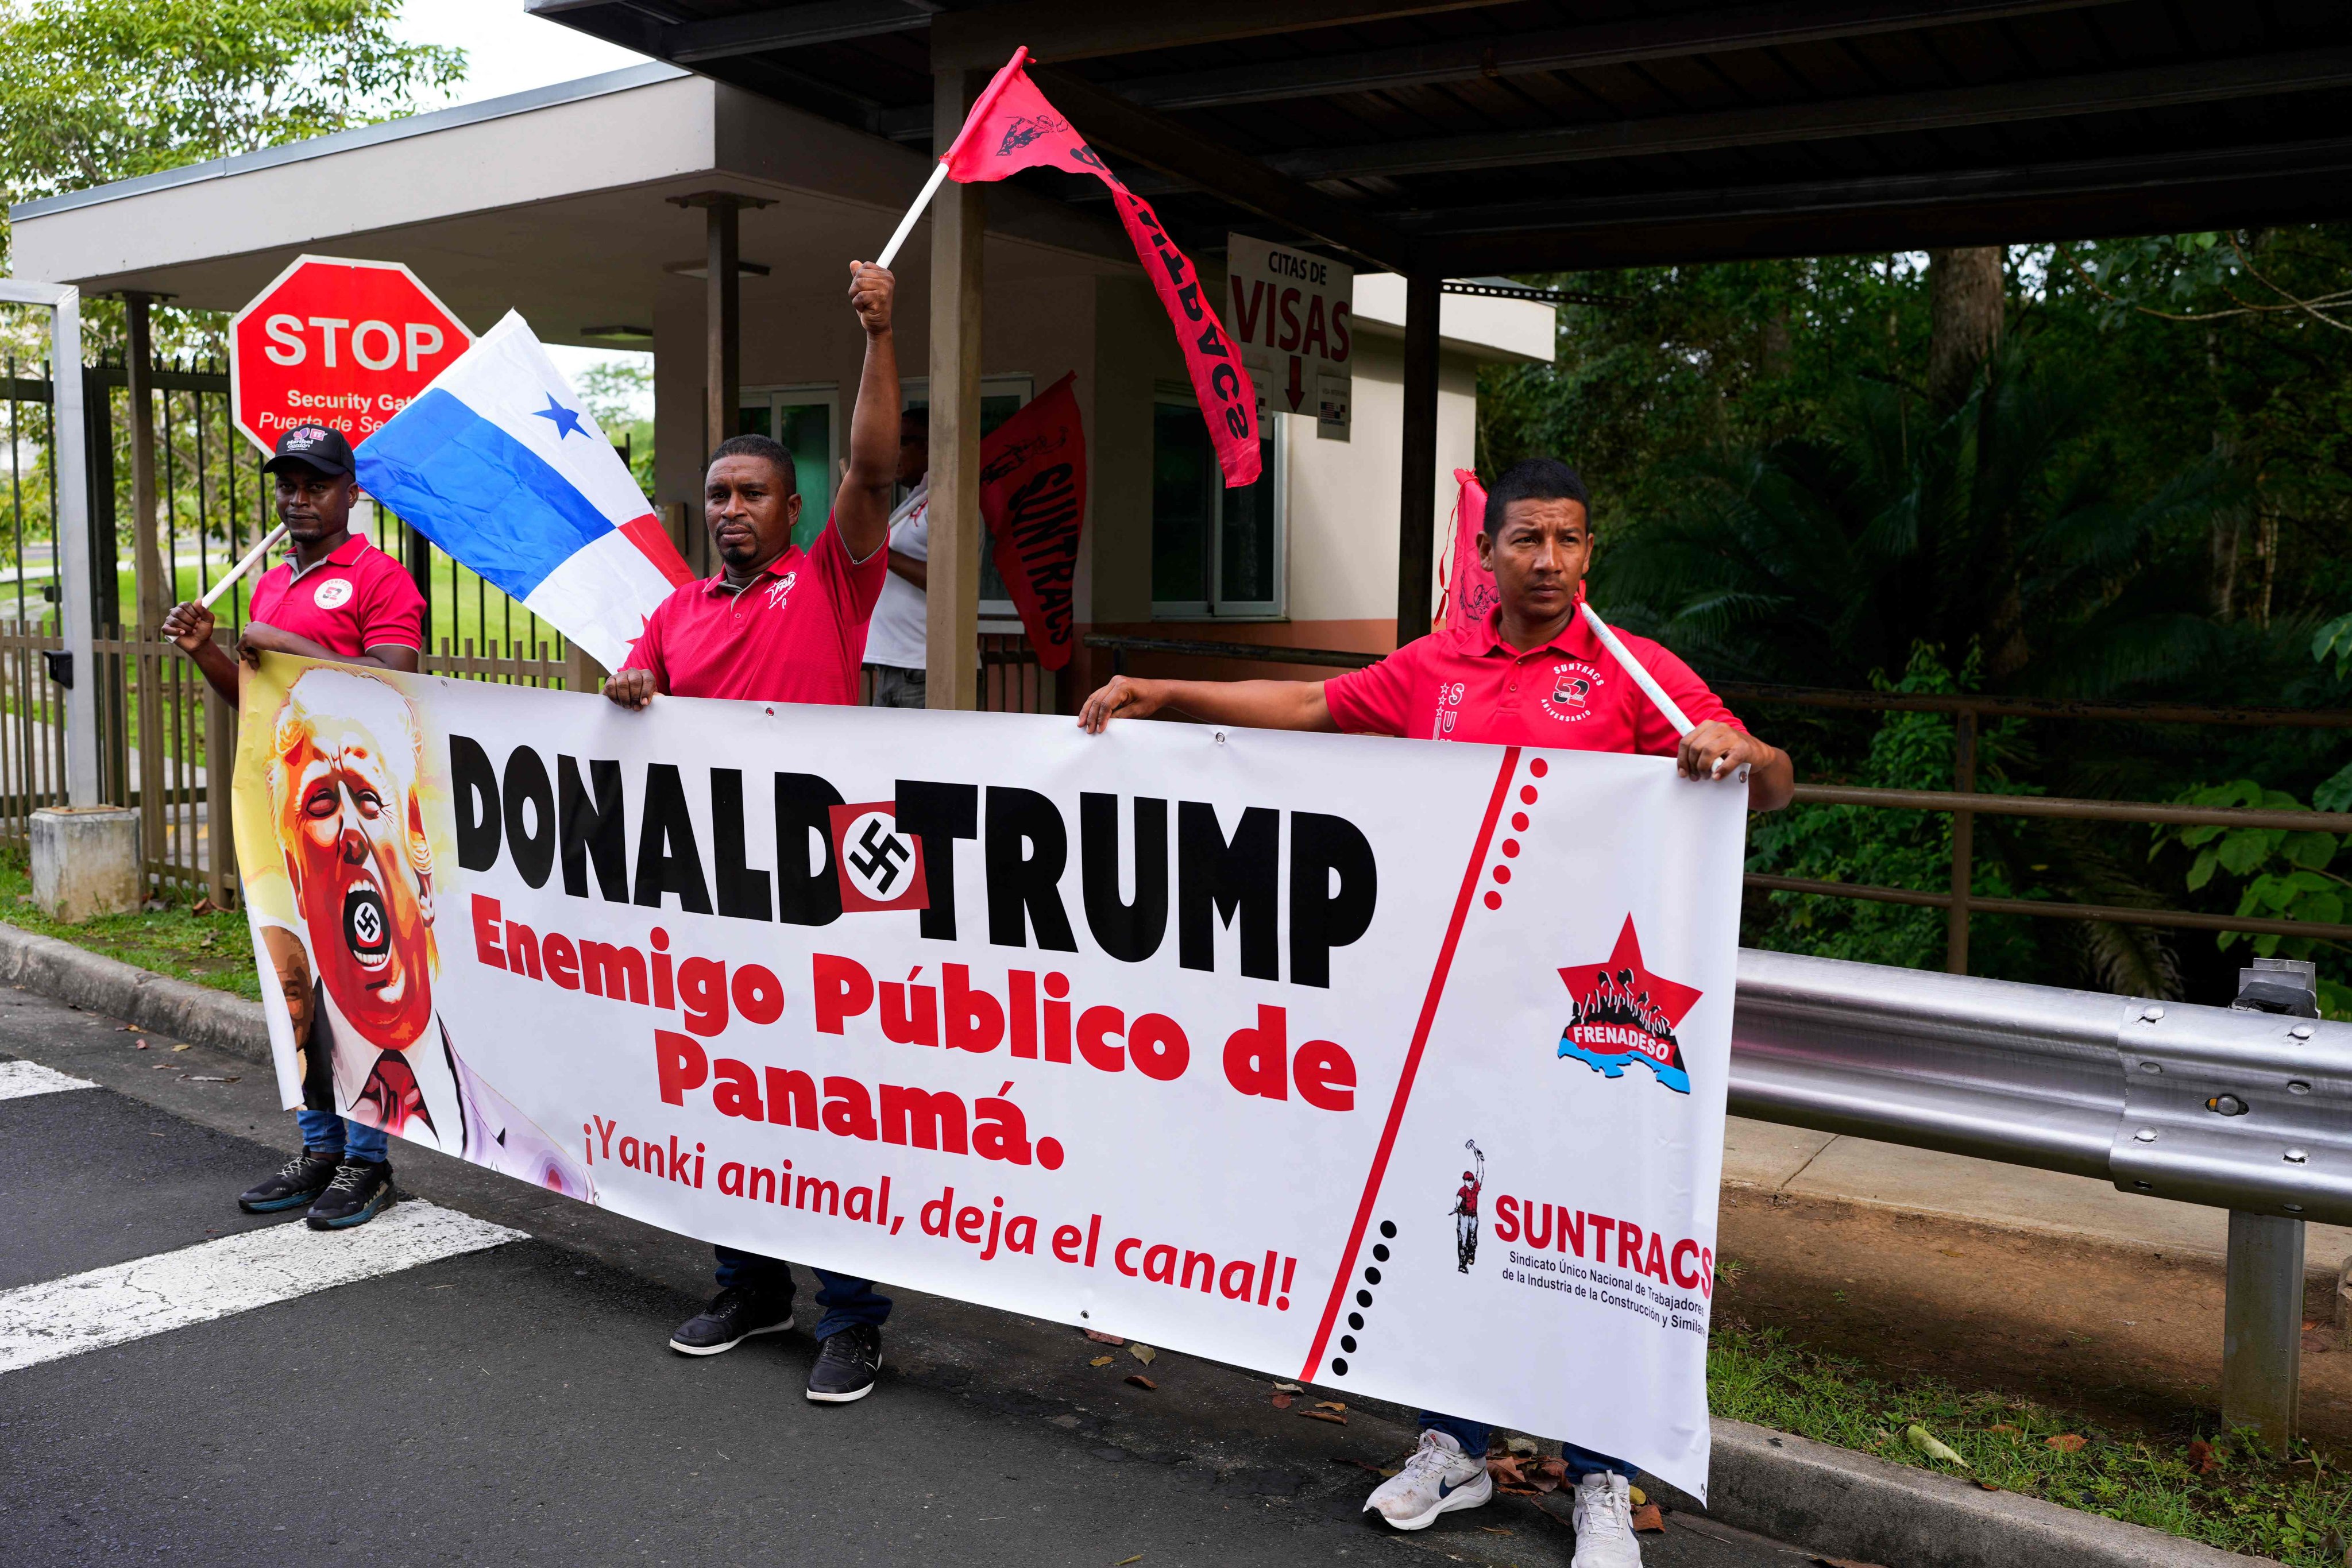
{"x": 897, "y": 651}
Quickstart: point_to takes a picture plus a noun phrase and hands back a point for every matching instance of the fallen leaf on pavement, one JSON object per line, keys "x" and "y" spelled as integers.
{"x": 1520, "y": 1444}
{"x": 200, "y": 1078}
{"x": 1989, "y": 1486}
{"x": 1099, "y": 1361}
{"x": 1935, "y": 1447}
{"x": 1558, "y": 1470}
{"x": 1282, "y": 1402}
{"x": 178, "y": 1048}
{"x": 1648, "y": 1520}
{"x": 2200, "y": 1457}
{"x": 1326, "y": 1405}
{"x": 201, "y": 907}
{"x": 1103, "y": 1339}
{"x": 1123, "y": 1562}
{"x": 1325, "y": 1416}
{"x": 1141, "y": 1382}
{"x": 1507, "y": 1475}
{"x": 140, "y": 1047}
{"x": 2066, "y": 1442}
{"x": 1496, "y": 1529}
{"x": 1287, "y": 1388}
{"x": 1635, "y": 1492}
{"x": 1143, "y": 1354}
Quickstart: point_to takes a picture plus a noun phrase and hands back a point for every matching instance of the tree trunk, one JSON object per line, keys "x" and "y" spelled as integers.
{"x": 1966, "y": 293}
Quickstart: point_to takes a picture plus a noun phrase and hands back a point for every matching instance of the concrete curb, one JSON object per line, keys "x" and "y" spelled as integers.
{"x": 196, "y": 1014}
{"x": 1788, "y": 1488}
{"x": 1833, "y": 1501}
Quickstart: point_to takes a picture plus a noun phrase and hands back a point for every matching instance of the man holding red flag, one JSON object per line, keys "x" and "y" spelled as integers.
{"x": 780, "y": 623}
{"x": 1532, "y": 672}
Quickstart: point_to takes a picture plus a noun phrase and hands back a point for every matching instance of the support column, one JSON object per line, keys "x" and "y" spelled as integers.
{"x": 1964, "y": 828}
{"x": 1417, "y": 498}
{"x": 722, "y": 314}
{"x": 953, "y": 601}
{"x": 153, "y": 582}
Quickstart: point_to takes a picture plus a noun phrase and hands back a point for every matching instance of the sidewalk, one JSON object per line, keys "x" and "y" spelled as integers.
{"x": 1799, "y": 1161}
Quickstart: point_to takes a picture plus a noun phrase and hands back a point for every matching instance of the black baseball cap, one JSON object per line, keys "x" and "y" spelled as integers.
{"x": 315, "y": 448}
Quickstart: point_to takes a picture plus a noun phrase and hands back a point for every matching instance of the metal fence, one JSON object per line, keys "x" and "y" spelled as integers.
{"x": 1964, "y": 802}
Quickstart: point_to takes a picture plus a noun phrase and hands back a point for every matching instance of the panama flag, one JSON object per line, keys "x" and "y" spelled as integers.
{"x": 498, "y": 463}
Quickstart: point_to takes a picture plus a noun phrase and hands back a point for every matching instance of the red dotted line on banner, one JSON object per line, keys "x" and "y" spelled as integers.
{"x": 1501, "y": 872}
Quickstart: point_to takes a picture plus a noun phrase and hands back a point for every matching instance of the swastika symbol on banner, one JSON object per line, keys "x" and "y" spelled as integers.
{"x": 877, "y": 859}
{"x": 368, "y": 926}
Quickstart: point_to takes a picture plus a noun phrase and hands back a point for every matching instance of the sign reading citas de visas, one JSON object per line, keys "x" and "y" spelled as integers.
{"x": 1294, "y": 315}
{"x": 1385, "y": 1066}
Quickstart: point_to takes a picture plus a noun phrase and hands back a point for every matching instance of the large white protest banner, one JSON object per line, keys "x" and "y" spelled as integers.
{"x": 1392, "y": 1066}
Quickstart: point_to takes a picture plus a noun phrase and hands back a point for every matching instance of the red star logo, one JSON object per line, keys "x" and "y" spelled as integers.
{"x": 1670, "y": 998}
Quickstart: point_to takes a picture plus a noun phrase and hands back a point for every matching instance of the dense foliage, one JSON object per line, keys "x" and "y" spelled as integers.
{"x": 2146, "y": 496}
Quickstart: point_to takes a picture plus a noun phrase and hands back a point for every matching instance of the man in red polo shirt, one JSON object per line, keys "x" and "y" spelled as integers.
{"x": 779, "y": 623}
{"x": 1533, "y": 675}
{"x": 336, "y": 596}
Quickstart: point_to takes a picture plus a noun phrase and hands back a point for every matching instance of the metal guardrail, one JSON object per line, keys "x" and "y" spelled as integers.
{"x": 1965, "y": 804}
{"x": 2229, "y": 1108}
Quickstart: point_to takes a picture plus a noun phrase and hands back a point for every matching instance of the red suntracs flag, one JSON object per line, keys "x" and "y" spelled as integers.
{"x": 1012, "y": 127}
{"x": 1032, "y": 496}
{"x": 1470, "y": 592}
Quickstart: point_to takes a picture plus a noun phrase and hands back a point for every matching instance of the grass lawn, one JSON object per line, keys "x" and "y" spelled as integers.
{"x": 211, "y": 949}
{"x": 2196, "y": 1482}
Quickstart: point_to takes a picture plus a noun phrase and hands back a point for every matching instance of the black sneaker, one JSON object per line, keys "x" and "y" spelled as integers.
{"x": 360, "y": 1190}
{"x": 734, "y": 1315}
{"x": 847, "y": 1364}
{"x": 300, "y": 1180}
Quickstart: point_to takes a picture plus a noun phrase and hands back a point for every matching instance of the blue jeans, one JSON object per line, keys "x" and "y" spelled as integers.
{"x": 1473, "y": 1437}
{"x": 845, "y": 1300}
{"x": 325, "y": 1130}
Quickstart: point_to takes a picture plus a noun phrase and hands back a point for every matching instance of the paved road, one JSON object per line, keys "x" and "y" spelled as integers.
{"x": 488, "y": 1395}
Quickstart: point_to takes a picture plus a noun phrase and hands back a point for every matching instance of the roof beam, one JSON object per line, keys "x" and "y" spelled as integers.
{"x": 2202, "y": 81}
{"x": 985, "y": 37}
{"x": 1144, "y": 136}
{"x": 1570, "y": 48}
{"x": 1882, "y": 193}
{"x": 792, "y": 27}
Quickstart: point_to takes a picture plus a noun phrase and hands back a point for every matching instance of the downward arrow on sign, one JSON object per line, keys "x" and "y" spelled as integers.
{"x": 1296, "y": 390}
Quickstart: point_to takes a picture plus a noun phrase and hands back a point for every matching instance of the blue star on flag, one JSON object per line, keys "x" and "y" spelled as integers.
{"x": 566, "y": 420}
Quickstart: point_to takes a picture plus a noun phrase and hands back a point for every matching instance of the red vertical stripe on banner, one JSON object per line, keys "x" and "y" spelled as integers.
{"x": 1347, "y": 1269}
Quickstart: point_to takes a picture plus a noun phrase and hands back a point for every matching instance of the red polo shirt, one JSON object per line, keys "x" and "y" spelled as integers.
{"x": 1569, "y": 693}
{"x": 794, "y": 634}
{"x": 356, "y": 599}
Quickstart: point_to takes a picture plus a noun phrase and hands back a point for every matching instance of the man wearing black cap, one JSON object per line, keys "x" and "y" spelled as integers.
{"x": 338, "y": 597}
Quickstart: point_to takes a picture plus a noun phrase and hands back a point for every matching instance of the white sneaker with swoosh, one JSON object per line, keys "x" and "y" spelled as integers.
{"x": 1438, "y": 1478}
{"x": 1603, "y": 1515}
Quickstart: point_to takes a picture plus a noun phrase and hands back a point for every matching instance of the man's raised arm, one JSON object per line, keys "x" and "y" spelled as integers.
{"x": 862, "y": 509}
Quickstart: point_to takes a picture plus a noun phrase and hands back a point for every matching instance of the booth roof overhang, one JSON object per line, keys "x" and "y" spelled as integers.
{"x": 562, "y": 202}
{"x": 1456, "y": 137}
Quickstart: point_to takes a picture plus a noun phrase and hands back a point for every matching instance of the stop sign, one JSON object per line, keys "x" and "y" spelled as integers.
{"x": 340, "y": 344}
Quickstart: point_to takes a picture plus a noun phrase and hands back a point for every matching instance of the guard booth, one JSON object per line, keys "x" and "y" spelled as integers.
{"x": 604, "y": 210}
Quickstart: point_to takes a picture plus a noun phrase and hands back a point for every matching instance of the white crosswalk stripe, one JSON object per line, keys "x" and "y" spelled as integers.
{"x": 127, "y": 1301}
{"x": 18, "y": 1078}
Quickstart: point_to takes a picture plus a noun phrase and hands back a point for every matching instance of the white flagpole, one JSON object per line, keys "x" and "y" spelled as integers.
{"x": 1641, "y": 678}
{"x": 242, "y": 567}
{"x": 907, "y": 224}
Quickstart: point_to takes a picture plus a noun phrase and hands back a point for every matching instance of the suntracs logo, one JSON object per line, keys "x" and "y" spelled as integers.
{"x": 1572, "y": 685}
{"x": 1624, "y": 1012}
{"x": 1025, "y": 129}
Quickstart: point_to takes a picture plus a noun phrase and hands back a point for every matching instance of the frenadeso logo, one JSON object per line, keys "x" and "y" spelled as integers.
{"x": 1624, "y": 1012}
